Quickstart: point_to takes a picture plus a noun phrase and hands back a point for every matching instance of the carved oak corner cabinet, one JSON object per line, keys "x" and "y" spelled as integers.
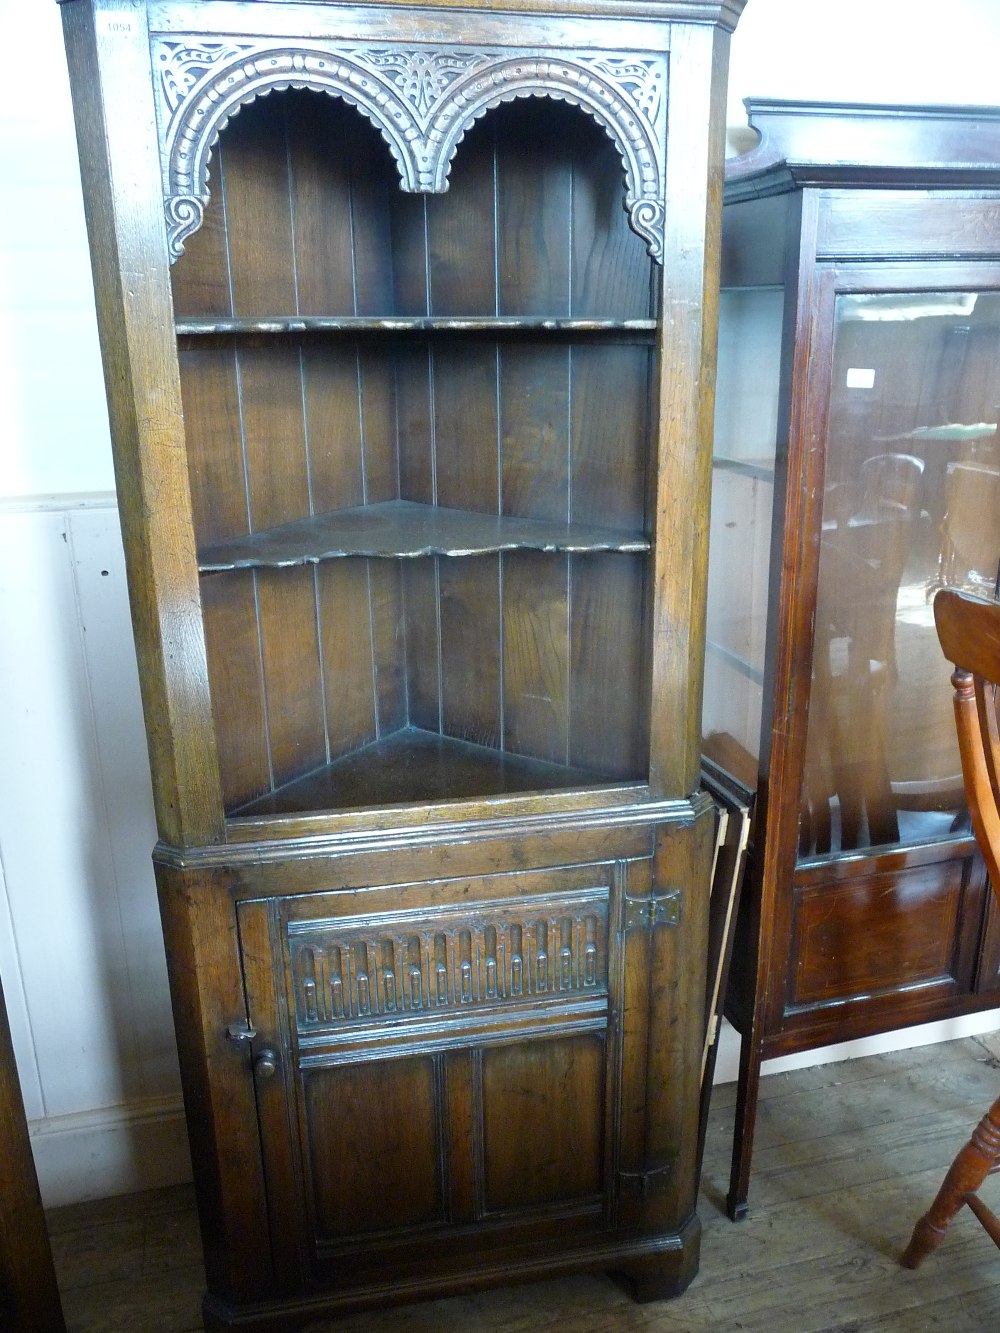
{"x": 856, "y": 471}
{"x": 408, "y": 341}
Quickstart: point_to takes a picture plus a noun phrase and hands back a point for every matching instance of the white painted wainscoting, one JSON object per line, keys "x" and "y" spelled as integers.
{"x": 81, "y": 953}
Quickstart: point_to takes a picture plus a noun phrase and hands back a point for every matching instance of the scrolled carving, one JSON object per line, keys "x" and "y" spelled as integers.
{"x": 185, "y": 214}
{"x": 422, "y": 100}
{"x": 647, "y": 217}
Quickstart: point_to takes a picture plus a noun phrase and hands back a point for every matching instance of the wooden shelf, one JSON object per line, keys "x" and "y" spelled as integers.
{"x": 375, "y": 324}
{"x": 737, "y": 661}
{"x": 761, "y": 469}
{"x": 401, "y": 529}
{"x": 415, "y": 766}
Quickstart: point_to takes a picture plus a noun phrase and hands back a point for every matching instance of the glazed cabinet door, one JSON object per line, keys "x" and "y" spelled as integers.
{"x": 422, "y": 1073}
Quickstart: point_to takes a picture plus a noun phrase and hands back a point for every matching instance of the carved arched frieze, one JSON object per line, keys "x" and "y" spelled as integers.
{"x": 422, "y": 101}
{"x": 626, "y": 97}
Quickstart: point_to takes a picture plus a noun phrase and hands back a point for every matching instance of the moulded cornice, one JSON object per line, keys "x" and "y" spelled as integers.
{"x": 724, "y": 13}
{"x": 851, "y": 143}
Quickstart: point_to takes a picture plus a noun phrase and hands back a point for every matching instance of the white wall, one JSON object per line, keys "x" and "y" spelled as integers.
{"x": 80, "y": 952}
{"x": 866, "y": 51}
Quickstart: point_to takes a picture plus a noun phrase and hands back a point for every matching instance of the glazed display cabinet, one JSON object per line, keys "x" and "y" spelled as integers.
{"x": 408, "y": 326}
{"x": 856, "y": 471}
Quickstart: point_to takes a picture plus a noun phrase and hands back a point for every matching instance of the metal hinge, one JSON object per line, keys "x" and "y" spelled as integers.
{"x": 663, "y": 909}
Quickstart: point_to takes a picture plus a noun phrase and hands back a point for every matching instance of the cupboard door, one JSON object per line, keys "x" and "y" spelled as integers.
{"x": 423, "y": 1074}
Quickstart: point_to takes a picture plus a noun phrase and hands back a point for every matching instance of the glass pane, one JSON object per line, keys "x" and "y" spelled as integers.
{"x": 746, "y": 418}
{"x": 911, "y": 504}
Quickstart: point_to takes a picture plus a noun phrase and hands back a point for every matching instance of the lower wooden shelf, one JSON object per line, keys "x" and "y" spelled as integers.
{"x": 412, "y": 765}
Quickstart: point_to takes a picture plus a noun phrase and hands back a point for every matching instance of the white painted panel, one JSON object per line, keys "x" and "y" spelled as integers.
{"x": 53, "y": 831}
{"x": 17, "y": 1010}
{"x": 97, "y": 1154}
{"x": 99, "y": 564}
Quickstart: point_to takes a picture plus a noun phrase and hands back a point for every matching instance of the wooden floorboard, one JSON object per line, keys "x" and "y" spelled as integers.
{"x": 847, "y": 1156}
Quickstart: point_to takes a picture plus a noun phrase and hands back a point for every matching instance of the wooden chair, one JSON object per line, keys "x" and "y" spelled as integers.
{"x": 969, "y": 630}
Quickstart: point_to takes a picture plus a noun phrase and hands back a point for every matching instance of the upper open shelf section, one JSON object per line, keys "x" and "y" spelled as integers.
{"x": 378, "y": 385}
{"x": 309, "y": 234}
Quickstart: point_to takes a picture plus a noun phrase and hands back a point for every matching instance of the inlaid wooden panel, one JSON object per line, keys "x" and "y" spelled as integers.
{"x": 534, "y": 430}
{"x": 320, "y": 171}
{"x": 414, "y": 365}
{"x": 875, "y": 934}
{"x": 423, "y": 643}
{"x": 389, "y": 1178}
{"x": 471, "y": 643}
{"x": 610, "y": 434}
{"x": 292, "y": 672}
{"x": 274, "y": 431}
{"x": 611, "y": 271}
{"x": 374, "y": 188}
{"x": 201, "y": 280}
{"x": 461, "y": 252}
{"x": 236, "y": 683}
{"x": 378, "y": 417}
{"x": 385, "y": 580}
{"x": 347, "y": 653}
{"x": 543, "y": 1121}
{"x": 533, "y": 209}
{"x": 609, "y": 678}
{"x": 466, "y": 426}
{"x": 330, "y": 376}
{"x": 213, "y": 433}
{"x": 536, "y": 655}
{"x": 408, "y": 237}
{"x": 259, "y": 212}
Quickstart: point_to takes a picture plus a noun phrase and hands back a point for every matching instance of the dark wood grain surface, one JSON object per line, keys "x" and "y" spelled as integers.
{"x": 403, "y": 529}
{"x": 412, "y": 766}
{"x": 867, "y": 908}
{"x": 433, "y": 861}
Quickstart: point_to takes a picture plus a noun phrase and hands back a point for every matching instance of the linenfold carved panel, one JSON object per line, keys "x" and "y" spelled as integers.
{"x": 422, "y": 100}
{"x": 500, "y": 953}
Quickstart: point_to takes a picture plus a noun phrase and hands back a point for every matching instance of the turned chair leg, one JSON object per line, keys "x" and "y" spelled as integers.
{"x": 965, "y": 1175}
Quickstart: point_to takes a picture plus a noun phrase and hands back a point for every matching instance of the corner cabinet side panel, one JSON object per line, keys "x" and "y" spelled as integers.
{"x": 108, "y": 57}
{"x": 207, "y": 993}
{"x": 699, "y": 61}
